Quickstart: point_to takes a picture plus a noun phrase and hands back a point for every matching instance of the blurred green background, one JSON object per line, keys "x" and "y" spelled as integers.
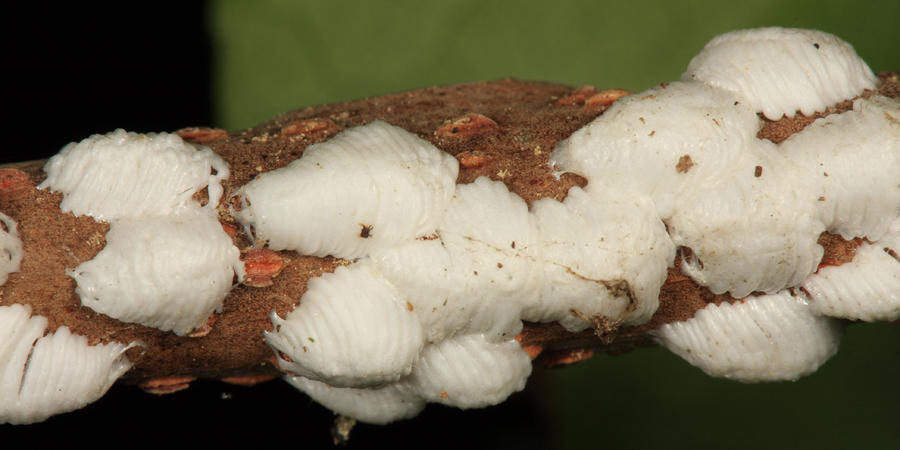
{"x": 275, "y": 56}
{"x": 278, "y": 55}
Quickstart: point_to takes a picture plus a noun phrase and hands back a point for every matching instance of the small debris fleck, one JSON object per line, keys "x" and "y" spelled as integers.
{"x": 757, "y": 172}
{"x": 366, "y": 231}
{"x": 340, "y": 432}
{"x": 684, "y": 164}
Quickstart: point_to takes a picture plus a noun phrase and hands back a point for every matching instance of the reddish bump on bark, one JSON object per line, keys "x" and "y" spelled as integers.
{"x": 472, "y": 160}
{"x": 310, "y": 127}
{"x": 229, "y": 229}
{"x": 578, "y": 97}
{"x": 205, "y": 329}
{"x": 532, "y": 350}
{"x": 469, "y": 125}
{"x": 14, "y": 180}
{"x": 248, "y": 380}
{"x": 261, "y": 265}
{"x": 570, "y": 357}
{"x": 200, "y": 135}
{"x": 167, "y": 385}
{"x": 604, "y": 98}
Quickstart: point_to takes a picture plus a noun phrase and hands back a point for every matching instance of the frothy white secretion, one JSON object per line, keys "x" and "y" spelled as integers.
{"x": 380, "y": 179}
{"x": 678, "y": 165}
{"x": 128, "y": 175}
{"x": 168, "y": 272}
{"x": 45, "y": 375}
{"x": 867, "y": 288}
{"x": 780, "y": 71}
{"x": 761, "y": 338}
{"x": 168, "y": 263}
{"x": 751, "y": 211}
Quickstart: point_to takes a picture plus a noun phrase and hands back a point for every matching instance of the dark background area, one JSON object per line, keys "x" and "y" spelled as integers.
{"x": 75, "y": 69}
{"x": 72, "y": 71}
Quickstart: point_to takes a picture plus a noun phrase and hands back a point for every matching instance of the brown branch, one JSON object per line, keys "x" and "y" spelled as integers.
{"x": 503, "y": 129}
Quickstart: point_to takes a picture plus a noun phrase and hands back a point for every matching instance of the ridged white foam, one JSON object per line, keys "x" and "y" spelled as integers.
{"x": 478, "y": 272}
{"x": 782, "y": 70}
{"x": 761, "y": 338}
{"x": 604, "y": 256}
{"x": 470, "y": 371}
{"x": 378, "y": 405}
{"x": 168, "y": 272}
{"x": 366, "y": 188}
{"x": 853, "y": 159}
{"x": 127, "y": 175}
{"x": 45, "y": 375}
{"x": 351, "y": 329}
{"x": 866, "y": 288}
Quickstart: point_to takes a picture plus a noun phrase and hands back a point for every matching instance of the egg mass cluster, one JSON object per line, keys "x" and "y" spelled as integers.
{"x": 168, "y": 263}
{"x": 437, "y": 305}
{"x": 42, "y": 375}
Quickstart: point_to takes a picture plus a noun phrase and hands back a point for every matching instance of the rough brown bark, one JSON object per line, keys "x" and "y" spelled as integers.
{"x": 503, "y": 129}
